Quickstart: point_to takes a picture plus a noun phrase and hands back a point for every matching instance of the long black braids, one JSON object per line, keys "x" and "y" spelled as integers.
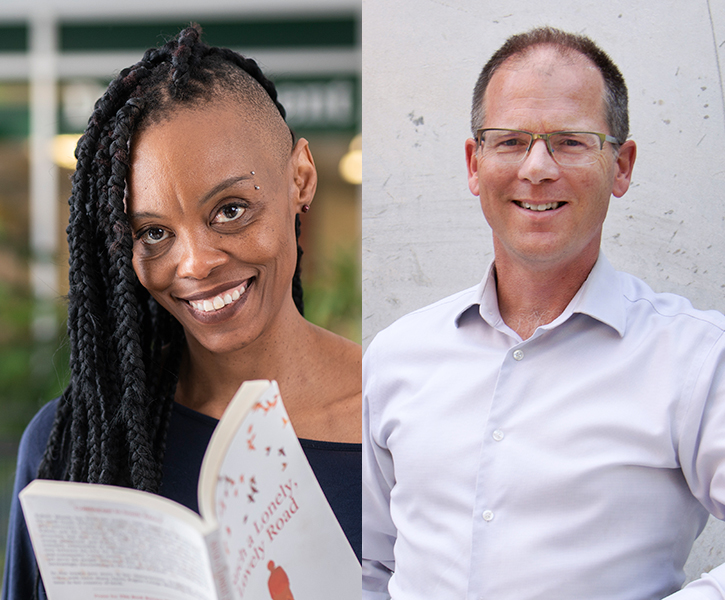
{"x": 111, "y": 421}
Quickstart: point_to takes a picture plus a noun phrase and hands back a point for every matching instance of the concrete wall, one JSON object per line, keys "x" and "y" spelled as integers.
{"x": 423, "y": 233}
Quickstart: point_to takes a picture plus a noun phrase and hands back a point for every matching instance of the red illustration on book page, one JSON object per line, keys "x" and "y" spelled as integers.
{"x": 278, "y": 584}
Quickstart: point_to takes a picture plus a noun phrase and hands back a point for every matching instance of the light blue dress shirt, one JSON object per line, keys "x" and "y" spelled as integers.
{"x": 580, "y": 464}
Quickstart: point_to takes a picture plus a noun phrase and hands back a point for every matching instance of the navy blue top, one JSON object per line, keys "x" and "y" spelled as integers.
{"x": 337, "y": 467}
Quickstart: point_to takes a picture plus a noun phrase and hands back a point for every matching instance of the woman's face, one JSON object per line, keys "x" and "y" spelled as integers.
{"x": 212, "y": 199}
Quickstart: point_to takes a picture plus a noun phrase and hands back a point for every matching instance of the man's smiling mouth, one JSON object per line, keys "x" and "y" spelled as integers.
{"x": 539, "y": 207}
{"x": 224, "y": 299}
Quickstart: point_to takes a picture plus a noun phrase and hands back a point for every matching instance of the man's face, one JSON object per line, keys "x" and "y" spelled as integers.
{"x": 542, "y": 93}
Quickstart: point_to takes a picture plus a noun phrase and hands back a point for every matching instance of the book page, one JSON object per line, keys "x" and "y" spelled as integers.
{"x": 96, "y": 541}
{"x": 279, "y": 534}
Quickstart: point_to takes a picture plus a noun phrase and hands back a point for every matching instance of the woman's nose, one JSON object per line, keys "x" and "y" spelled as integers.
{"x": 199, "y": 255}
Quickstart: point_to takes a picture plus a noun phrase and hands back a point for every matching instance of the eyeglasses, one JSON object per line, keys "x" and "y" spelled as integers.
{"x": 567, "y": 148}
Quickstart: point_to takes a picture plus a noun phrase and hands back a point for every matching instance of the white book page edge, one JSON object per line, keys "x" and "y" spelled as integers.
{"x": 115, "y": 494}
{"x": 239, "y": 406}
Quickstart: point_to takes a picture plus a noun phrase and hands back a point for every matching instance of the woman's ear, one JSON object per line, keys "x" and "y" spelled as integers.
{"x": 303, "y": 182}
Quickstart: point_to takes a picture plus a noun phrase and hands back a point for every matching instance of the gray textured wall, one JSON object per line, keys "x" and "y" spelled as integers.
{"x": 423, "y": 234}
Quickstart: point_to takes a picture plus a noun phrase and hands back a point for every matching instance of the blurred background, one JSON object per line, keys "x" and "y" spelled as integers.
{"x": 56, "y": 58}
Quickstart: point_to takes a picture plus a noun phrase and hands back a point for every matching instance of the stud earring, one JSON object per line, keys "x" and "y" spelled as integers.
{"x": 305, "y": 208}
{"x": 256, "y": 187}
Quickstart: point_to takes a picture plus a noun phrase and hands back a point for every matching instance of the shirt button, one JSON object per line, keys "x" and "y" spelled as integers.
{"x": 487, "y": 515}
{"x": 518, "y": 354}
{"x": 498, "y": 435}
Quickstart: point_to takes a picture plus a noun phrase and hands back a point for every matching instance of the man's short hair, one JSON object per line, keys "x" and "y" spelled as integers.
{"x": 615, "y": 94}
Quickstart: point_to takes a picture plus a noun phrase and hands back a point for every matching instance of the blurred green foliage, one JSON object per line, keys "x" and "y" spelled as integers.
{"x": 32, "y": 372}
{"x": 333, "y": 297}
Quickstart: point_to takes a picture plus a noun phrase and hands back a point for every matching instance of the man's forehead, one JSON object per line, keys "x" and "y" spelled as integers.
{"x": 547, "y": 60}
{"x": 549, "y": 71}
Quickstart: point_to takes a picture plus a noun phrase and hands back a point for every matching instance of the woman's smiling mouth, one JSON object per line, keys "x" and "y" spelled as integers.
{"x": 220, "y": 301}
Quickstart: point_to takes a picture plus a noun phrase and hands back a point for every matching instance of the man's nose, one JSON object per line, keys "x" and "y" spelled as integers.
{"x": 539, "y": 165}
{"x": 198, "y": 254}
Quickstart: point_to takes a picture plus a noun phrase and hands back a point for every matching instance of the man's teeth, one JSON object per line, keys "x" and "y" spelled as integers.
{"x": 218, "y": 302}
{"x": 547, "y": 206}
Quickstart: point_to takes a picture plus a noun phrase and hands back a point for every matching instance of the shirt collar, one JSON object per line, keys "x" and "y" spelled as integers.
{"x": 600, "y": 297}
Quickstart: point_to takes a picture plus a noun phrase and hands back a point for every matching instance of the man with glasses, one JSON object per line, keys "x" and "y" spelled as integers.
{"x": 555, "y": 432}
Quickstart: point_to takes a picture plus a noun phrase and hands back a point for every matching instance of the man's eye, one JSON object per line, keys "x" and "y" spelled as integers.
{"x": 153, "y": 235}
{"x": 230, "y": 212}
{"x": 509, "y": 144}
{"x": 570, "y": 142}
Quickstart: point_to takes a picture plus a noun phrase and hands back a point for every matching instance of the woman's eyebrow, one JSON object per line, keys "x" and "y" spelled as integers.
{"x": 222, "y": 185}
{"x": 142, "y": 215}
{"x": 230, "y": 181}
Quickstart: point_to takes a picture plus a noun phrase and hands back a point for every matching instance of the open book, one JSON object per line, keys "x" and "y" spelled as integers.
{"x": 266, "y": 531}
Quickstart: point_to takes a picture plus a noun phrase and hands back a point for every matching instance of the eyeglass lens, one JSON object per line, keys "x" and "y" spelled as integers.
{"x": 567, "y": 148}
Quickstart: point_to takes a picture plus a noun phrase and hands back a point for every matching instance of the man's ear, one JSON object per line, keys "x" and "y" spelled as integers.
{"x": 303, "y": 181}
{"x": 623, "y": 168}
{"x": 472, "y": 165}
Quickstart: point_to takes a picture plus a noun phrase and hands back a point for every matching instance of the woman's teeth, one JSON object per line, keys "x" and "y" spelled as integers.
{"x": 218, "y": 302}
{"x": 547, "y": 206}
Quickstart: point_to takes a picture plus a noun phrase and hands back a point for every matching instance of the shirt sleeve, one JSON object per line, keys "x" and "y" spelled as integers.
{"x": 20, "y": 567}
{"x": 702, "y": 456}
{"x": 379, "y": 532}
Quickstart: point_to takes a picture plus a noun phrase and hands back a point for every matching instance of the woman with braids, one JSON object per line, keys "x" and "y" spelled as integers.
{"x": 184, "y": 282}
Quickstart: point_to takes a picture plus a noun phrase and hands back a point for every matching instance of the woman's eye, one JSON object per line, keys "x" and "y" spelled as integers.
{"x": 153, "y": 235}
{"x": 230, "y": 212}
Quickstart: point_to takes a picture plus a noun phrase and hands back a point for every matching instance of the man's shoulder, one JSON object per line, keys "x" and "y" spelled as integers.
{"x": 644, "y": 302}
{"x": 418, "y": 326}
